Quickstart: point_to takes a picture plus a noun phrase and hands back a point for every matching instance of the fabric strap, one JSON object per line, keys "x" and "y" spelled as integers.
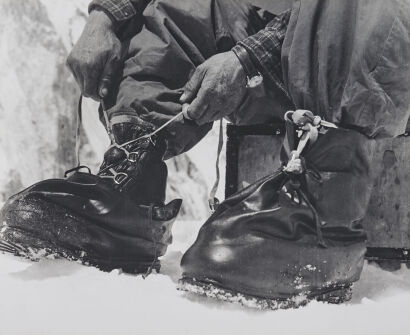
{"x": 213, "y": 201}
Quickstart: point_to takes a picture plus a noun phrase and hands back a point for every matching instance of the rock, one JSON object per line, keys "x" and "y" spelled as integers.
{"x": 37, "y": 98}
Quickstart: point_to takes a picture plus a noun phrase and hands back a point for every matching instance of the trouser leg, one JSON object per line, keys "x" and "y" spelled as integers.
{"x": 176, "y": 37}
{"x": 348, "y": 63}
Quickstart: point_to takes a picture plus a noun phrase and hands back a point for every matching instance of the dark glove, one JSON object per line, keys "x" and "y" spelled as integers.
{"x": 96, "y": 57}
{"x": 216, "y": 89}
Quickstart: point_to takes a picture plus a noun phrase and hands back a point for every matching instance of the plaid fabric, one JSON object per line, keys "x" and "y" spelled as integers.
{"x": 265, "y": 48}
{"x": 119, "y": 10}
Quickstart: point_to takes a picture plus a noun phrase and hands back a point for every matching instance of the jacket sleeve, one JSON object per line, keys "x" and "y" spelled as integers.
{"x": 264, "y": 49}
{"x": 119, "y": 10}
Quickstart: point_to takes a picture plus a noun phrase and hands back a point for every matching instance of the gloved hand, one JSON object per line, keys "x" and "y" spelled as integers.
{"x": 216, "y": 89}
{"x": 96, "y": 57}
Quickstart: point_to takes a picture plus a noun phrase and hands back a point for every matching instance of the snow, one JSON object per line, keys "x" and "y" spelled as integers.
{"x": 57, "y": 297}
{"x": 60, "y": 297}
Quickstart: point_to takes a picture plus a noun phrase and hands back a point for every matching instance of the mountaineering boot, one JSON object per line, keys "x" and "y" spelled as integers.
{"x": 294, "y": 235}
{"x": 115, "y": 219}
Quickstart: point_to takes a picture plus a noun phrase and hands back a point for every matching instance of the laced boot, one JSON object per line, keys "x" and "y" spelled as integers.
{"x": 115, "y": 219}
{"x": 136, "y": 168}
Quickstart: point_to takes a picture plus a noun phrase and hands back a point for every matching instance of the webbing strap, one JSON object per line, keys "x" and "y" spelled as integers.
{"x": 213, "y": 201}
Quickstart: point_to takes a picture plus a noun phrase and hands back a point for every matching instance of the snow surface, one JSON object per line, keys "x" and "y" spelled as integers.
{"x": 56, "y": 297}
{"x": 60, "y": 297}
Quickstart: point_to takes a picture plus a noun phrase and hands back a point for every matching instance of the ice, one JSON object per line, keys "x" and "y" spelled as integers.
{"x": 61, "y": 297}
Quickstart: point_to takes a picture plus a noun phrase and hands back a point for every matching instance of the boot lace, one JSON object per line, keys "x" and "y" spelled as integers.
{"x": 307, "y": 128}
{"x": 110, "y": 171}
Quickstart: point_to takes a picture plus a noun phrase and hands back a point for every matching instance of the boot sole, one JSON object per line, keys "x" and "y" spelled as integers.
{"x": 27, "y": 244}
{"x": 335, "y": 295}
{"x": 103, "y": 264}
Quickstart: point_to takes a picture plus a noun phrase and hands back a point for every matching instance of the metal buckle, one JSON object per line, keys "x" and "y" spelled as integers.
{"x": 118, "y": 177}
{"x": 133, "y": 157}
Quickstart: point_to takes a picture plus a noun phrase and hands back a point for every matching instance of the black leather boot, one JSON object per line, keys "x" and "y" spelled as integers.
{"x": 116, "y": 219}
{"x": 292, "y": 236}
